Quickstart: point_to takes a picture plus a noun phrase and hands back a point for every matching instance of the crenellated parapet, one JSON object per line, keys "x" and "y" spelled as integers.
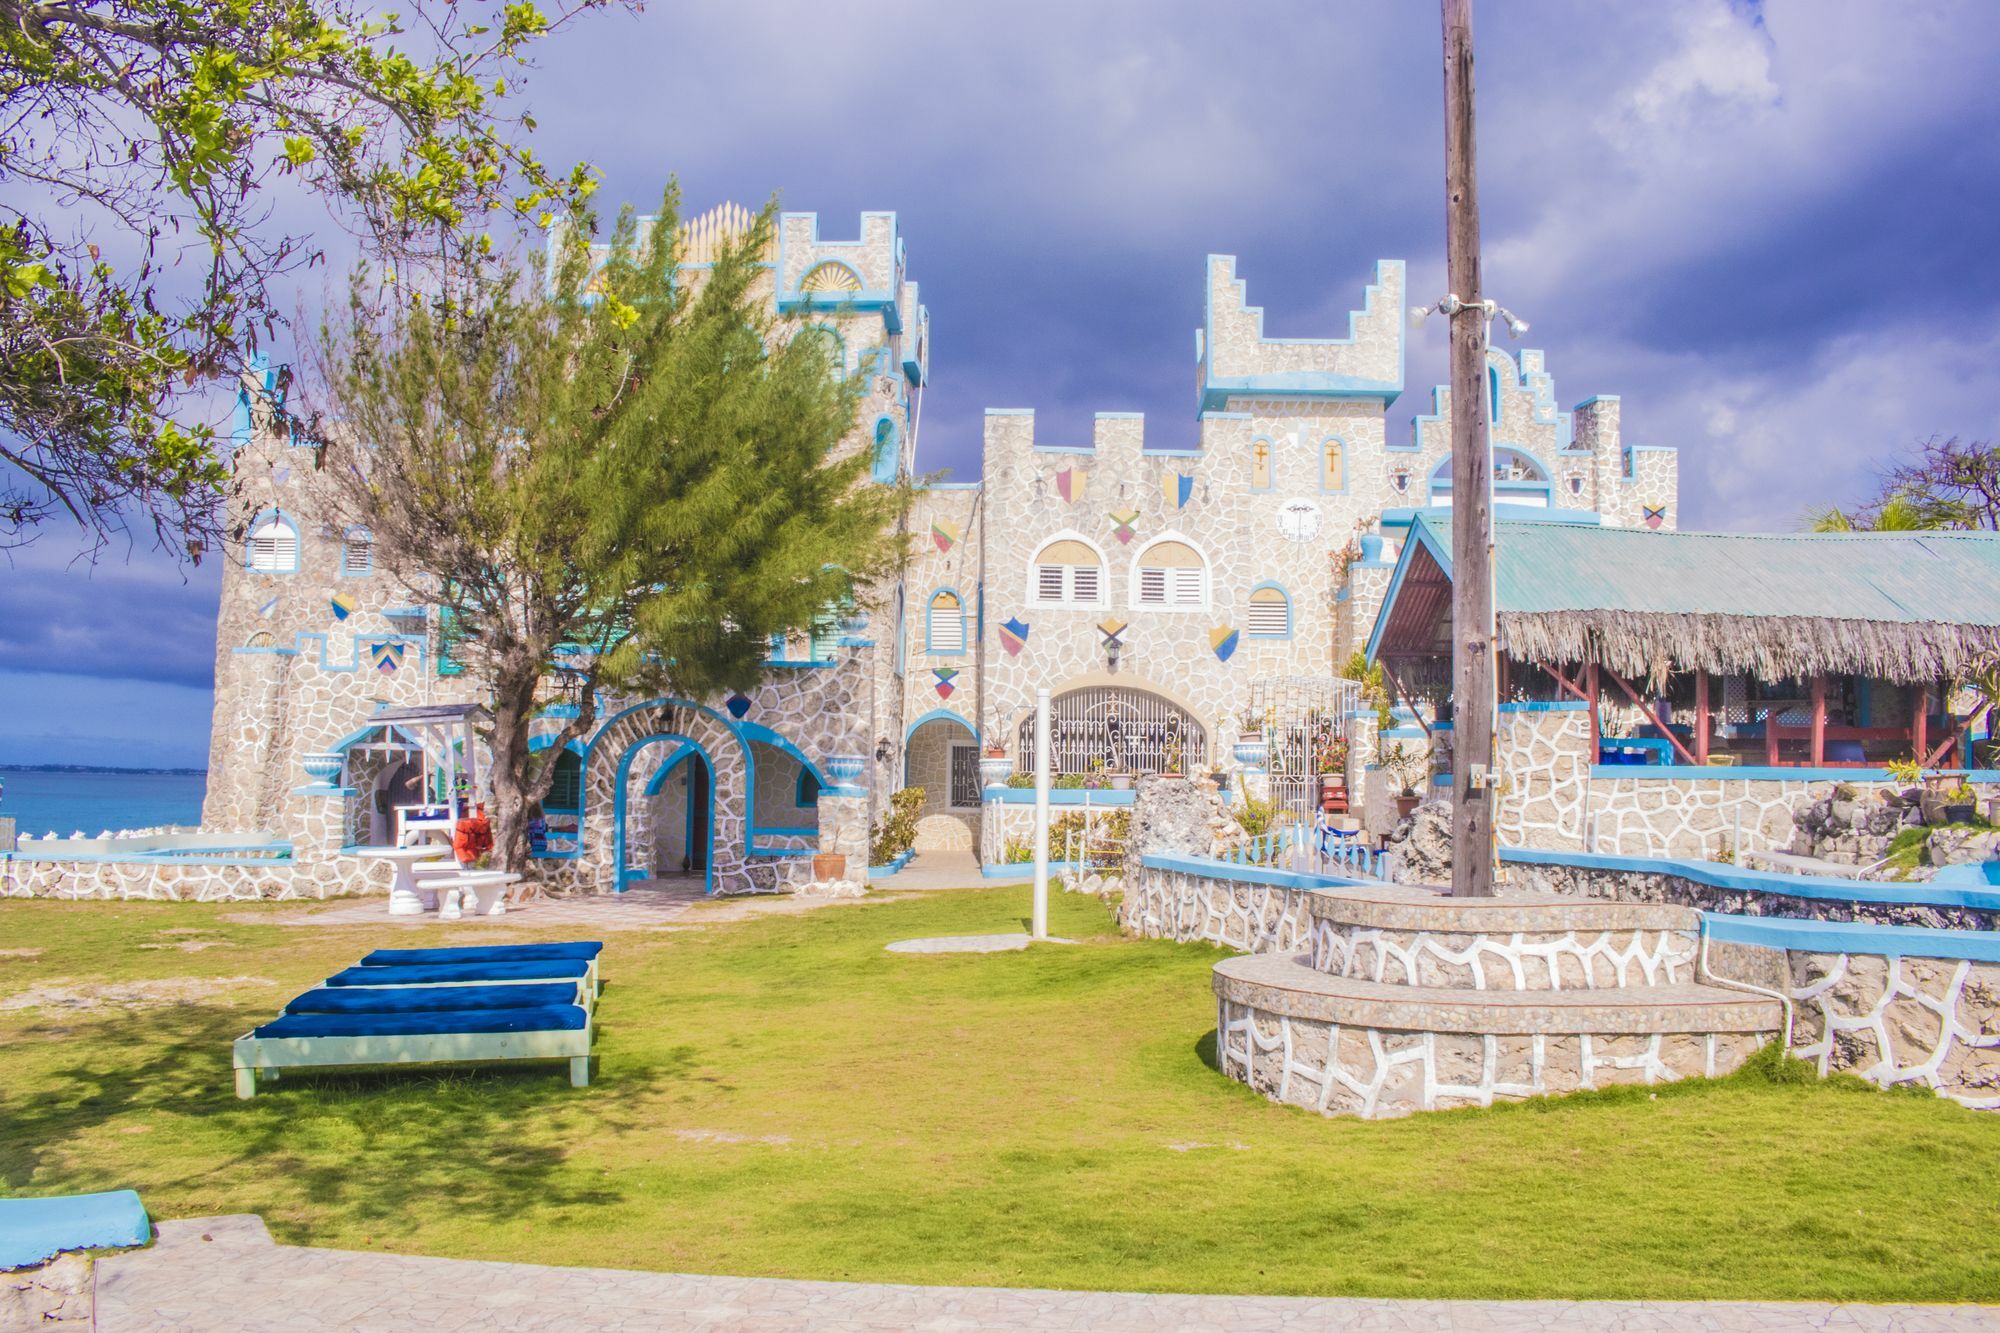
{"x": 1544, "y": 458}
{"x": 1236, "y": 360}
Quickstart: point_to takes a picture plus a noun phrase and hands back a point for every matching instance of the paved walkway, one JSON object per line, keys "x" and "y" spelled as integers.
{"x": 222, "y": 1274}
{"x": 940, "y": 870}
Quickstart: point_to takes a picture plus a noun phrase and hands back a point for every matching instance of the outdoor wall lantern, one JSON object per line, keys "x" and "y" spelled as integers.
{"x": 882, "y": 749}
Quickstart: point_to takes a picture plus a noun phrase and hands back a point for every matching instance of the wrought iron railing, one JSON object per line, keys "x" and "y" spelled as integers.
{"x": 1116, "y": 729}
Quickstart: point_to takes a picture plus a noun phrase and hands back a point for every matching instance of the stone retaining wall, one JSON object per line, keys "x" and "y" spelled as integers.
{"x": 193, "y": 882}
{"x": 1186, "y": 905}
{"x": 1736, "y": 892}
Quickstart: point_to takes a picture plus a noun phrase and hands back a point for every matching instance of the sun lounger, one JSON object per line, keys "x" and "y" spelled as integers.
{"x": 417, "y": 999}
{"x": 484, "y": 953}
{"x": 580, "y": 972}
{"x": 320, "y": 1041}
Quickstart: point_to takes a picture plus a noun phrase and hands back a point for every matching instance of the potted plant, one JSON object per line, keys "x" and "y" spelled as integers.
{"x": 1251, "y": 749}
{"x": 1959, "y": 804}
{"x": 829, "y": 867}
{"x": 1171, "y": 766}
{"x": 994, "y": 766}
{"x": 1404, "y": 766}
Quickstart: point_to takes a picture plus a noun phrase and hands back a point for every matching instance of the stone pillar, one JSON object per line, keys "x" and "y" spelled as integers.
{"x": 843, "y": 828}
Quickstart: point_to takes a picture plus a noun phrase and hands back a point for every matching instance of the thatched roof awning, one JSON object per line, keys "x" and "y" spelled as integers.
{"x": 1911, "y": 607}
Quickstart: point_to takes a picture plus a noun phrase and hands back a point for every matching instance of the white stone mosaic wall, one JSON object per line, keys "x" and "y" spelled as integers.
{"x": 1555, "y": 960}
{"x": 195, "y": 882}
{"x": 1377, "y": 1074}
{"x": 1177, "y": 905}
{"x": 1552, "y": 801}
{"x": 1930, "y": 1021}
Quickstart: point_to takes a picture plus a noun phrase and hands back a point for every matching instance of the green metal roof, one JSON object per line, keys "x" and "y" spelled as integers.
{"x": 1906, "y": 577}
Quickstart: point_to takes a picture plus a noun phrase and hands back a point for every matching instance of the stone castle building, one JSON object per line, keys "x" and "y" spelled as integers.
{"x": 1160, "y": 585}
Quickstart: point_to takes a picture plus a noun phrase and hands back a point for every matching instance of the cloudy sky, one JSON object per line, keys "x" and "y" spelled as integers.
{"x": 1766, "y": 225}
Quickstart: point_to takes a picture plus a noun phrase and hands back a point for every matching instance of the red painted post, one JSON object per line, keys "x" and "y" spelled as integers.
{"x": 1701, "y": 721}
{"x": 1920, "y": 724}
{"x": 1819, "y": 722}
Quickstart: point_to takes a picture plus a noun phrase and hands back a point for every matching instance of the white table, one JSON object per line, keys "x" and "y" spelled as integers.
{"x": 406, "y": 897}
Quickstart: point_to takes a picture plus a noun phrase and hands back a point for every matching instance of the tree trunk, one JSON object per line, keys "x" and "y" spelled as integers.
{"x": 512, "y": 792}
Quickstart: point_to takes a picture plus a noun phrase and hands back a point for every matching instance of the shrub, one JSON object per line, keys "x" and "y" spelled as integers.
{"x": 897, "y": 832}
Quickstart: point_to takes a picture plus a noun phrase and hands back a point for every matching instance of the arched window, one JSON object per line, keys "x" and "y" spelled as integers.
{"x": 357, "y": 552}
{"x": 1493, "y": 393}
{"x": 1332, "y": 465}
{"x": 887, "y": 457}
{"x": 832, "y": 343}
{"x": 273, "y": 545}
{"x": 944, "y": 629}
{"x": 1067, "y": 572}
{"x": 1261, "y": 464}
{"x": 1518, "y": 479}
{"x": 1170, "y": 575}
{"x": 1270, "y": 612}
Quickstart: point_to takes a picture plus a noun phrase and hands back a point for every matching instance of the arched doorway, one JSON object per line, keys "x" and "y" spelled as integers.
{"x": 941, "y": 755}
{"x": 665, "y": 812}
{"x": 1112, "y": 727}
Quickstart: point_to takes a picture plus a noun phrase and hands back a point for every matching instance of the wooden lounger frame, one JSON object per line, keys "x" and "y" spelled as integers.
{"x": 267, "y": 1055}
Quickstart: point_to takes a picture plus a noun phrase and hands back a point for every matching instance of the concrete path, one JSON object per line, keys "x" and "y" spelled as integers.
{"x": 941, "y": 870}
{"x": 222, "y": 1274}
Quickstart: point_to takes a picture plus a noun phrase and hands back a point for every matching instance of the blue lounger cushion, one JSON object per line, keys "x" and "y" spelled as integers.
{"x": 549, "y": 1018}
{"x": 32, "y": 1230}
{"x": 484, "y": 953}
{"x": 416, "y": 999}
{"x": 548, "y": 969}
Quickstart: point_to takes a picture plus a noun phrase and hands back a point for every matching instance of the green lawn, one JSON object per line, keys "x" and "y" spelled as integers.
{"x": 781, "y": 1097}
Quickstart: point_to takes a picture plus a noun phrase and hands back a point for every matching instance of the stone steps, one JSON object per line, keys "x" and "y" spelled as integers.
{"x": 1348, "y": 1045}
{"x": 1415, "y": 936}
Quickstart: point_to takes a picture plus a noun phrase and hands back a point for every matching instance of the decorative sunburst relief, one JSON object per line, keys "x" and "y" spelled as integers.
{"x": 830, "y": 276}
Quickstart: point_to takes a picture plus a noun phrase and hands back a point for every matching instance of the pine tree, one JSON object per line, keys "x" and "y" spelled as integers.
{"x": 628, "y": 470}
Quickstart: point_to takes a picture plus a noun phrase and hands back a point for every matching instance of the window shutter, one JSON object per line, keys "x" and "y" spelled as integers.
{"x": 1270, "y": 615}
{"x": 274, "y": 548}
{"x": 946, "y": 631}
{"x": 1187, "y": 587}
{"x": 357, "y": 554}
{"x": 1083, "y": 583}
{"x": 1153, "y": 587}
{"x": 1049, "y": 582}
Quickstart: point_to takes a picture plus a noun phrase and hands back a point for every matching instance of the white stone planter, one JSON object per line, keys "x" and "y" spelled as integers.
{"x": 322, "y": 766}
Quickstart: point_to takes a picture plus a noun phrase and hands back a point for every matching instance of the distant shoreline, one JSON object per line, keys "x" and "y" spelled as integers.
{"x": 101, "y": 768}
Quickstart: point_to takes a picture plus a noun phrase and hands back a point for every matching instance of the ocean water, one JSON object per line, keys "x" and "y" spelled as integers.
{"x": 93, "y": 802}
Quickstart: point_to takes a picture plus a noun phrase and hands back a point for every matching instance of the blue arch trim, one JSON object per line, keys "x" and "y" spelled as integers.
{"x": 688, "y": 745}
{"x": 888, "y": 450}
{"x": 744, "y": 732}
{"x": 938, "y": 715}
{"x": 659, "y": 778}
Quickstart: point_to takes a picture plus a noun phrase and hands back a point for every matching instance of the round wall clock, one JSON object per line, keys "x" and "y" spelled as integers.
{"x": 1299, "y": 520}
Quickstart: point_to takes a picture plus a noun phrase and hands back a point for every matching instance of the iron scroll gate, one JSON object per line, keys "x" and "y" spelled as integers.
{"x": 1115, "y": 729}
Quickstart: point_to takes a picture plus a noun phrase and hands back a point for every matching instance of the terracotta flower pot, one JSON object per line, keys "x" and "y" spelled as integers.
{"x": 829, "y": 866}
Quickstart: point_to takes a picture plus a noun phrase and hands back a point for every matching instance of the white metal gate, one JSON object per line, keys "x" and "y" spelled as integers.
{"x": 1305, "y": 724}
{"x": 1116, "y": 729}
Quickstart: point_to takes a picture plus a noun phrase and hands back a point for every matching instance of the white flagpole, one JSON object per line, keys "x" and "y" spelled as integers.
{"x": 1041, "y": 913}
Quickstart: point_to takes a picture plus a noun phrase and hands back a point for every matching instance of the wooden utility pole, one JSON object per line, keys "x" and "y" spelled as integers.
{"x": 1472, "y": 668}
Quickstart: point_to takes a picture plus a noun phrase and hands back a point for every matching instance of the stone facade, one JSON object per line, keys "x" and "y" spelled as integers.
{"x": 1895, "y": 1020}
{"x": 1286, "y": 495}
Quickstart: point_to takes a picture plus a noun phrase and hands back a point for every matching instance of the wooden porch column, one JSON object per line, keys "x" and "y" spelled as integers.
{"x": 1819, "y": 722}
{"x": 1771, "y": 734}
{"x": 1701, "y": 715}
{"x": 1590, "y": 696}
{"x": 1920, "y": 724}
